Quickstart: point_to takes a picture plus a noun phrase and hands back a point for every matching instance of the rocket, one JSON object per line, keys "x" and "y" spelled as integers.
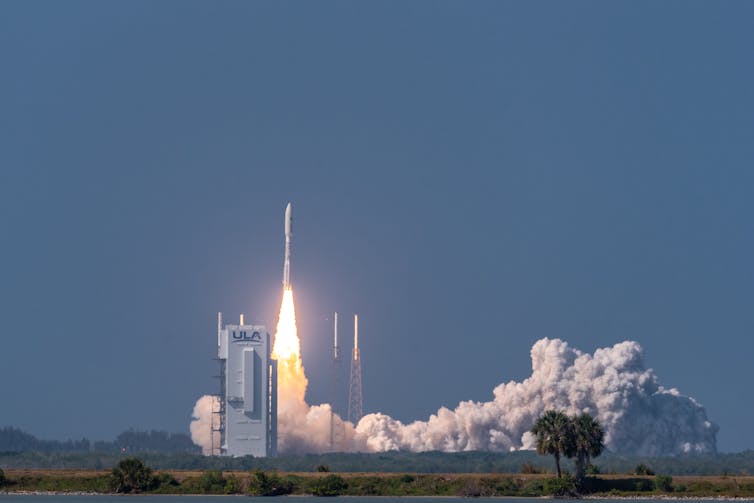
{"x": 287, "y": 262}
{"x": 355, "y": 336}
{"x": 335, "y": 348}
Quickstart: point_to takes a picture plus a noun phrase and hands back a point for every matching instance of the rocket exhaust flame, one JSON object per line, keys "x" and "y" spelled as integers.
{"x": 302, "y": 428}
{"x": 287, "y": 346}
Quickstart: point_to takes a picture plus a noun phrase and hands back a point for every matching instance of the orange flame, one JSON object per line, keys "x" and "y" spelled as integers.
{"x": 302, "y": 428}
{"x": 286, "y": 350}
{"x": 287, "y": 345}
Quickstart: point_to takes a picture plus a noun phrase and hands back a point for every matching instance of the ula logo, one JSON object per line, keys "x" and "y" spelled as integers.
{"x": 243, "y": 335}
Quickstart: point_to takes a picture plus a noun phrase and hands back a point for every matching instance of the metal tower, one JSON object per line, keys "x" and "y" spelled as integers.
{"x": 218, "y": 425}
{"x": 354, "y": 392}
{"x": 337, "y": 434}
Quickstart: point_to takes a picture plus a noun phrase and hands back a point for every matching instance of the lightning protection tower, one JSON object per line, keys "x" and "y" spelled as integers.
{"x": 336, "y": 425}
{"x": 354, "y": 392}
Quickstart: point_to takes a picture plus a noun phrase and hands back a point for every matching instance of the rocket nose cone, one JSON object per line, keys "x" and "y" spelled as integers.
{"x": 288, "y": 211}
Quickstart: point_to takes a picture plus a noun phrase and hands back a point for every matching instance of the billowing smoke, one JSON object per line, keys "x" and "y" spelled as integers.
{"x": 202, "y": 424}
{"x": 639, "y": 416}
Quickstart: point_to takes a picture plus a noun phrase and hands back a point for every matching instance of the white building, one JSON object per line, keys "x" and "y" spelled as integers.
{"x": 248, "y": 397}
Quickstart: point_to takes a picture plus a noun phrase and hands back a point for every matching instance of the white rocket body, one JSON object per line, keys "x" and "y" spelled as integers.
{"x": 336, "y": 349}
{"x": 355, "y": 336}
{"x": 287, "y": 262}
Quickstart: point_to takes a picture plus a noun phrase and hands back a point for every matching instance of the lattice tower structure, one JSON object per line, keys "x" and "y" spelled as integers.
{"x": 355, "y": 399}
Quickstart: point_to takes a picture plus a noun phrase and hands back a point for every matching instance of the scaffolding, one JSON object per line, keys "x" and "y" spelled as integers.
{"x": 355, "y": 402}
{"x": 219, "y": 412}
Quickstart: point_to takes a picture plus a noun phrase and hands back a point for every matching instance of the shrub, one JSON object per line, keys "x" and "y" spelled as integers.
{"x": 165, "y": 479}
{"x": 331, "y": 485}
{"x": 232, "y": 485}
{"x": 533, "y": 488}
{"x": 2, "y": 477}
{"x": 643, "y": 485}
{"x": 565, "y": 486}
{"x": 212, "y": 482}
{"x": 407, "y": 479}
{"x": 507, "y": 487}
{"x": 471, "y": 489}
{"x": 323, "y": 468}
{"x": 642, "y": 469}
{"x": 262, "y": 484}
{"x": 664, "y": 483}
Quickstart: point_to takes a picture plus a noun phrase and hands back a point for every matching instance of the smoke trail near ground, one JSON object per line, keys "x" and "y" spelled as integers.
{"x": 201, "y": 424}
{"x": 639, "y": 416}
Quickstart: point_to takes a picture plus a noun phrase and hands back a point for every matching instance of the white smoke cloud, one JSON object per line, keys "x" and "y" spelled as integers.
{"x": 639, "y": 416}
{"x": 301, "y": 428}
{"x": 202, "y": 424}
{"x": 304, "y": 428}
{"x": 308, "y": 430}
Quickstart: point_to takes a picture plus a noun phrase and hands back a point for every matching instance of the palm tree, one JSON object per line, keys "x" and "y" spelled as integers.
{"x": 555, "y": 436}
{"x": 589, "y": 438}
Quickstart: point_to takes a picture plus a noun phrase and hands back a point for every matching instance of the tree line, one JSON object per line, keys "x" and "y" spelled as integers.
{"x": 16, "y": 440}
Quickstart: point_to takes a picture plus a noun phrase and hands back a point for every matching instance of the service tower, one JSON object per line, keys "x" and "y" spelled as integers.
{"x": 248, "y": 395}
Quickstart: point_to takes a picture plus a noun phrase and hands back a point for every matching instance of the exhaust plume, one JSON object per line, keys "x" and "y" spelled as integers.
{"x": 639, "y": 416}
{"x": 302, "y": 428}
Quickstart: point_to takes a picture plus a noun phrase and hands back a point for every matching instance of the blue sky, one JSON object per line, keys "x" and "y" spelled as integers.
{"x": 467, "y": 176}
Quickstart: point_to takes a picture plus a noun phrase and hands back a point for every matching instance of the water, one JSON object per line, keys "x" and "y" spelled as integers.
{"x": 21, "y": 498}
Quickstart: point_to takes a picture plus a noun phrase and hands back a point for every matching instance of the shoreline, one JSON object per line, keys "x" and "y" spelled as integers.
{"x": 600, "y": 498}
{"x": 656, "y": 497}
{"x": 405, "y": 485}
